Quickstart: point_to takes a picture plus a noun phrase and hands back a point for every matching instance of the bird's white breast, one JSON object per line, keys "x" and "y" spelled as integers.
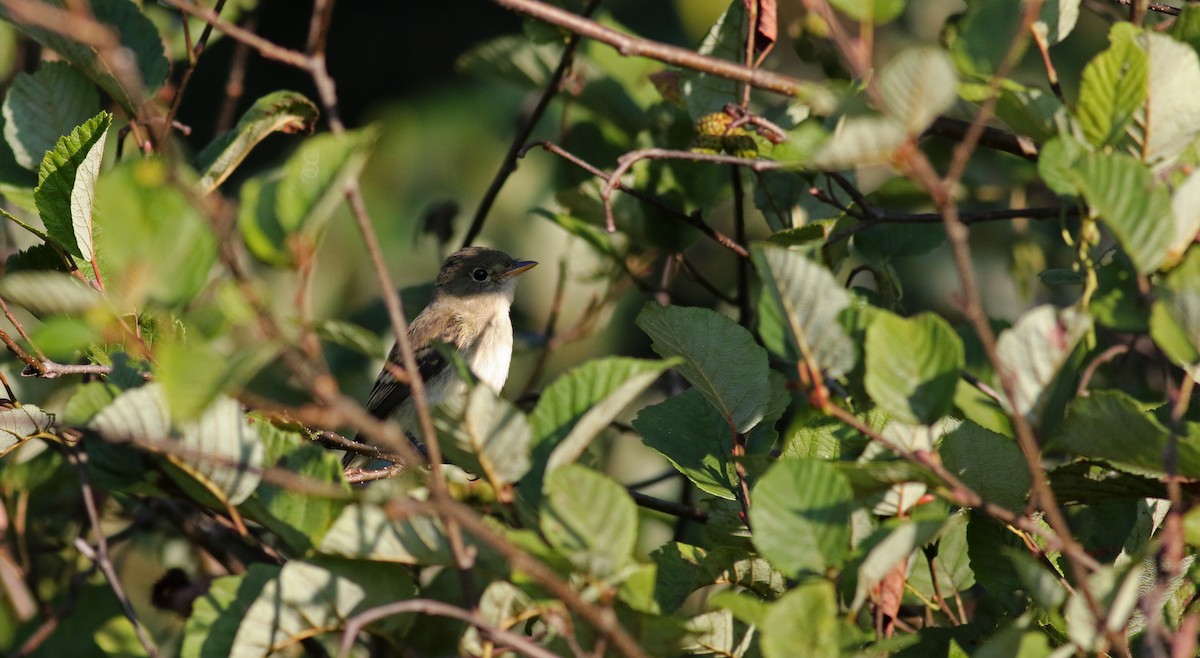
{"x": 490, "y": 358}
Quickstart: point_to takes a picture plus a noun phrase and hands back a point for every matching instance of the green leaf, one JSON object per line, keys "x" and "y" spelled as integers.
{"x": 1175, "y": 325}
{"x": 41, "y": 107}
{"x": 352, "y": 337}
{"x": 894, "y": 542}
{"x": 137, "y": 35}
{"x": 981, "y": 38}
{"x": 1057, "y": 162}
{"x": 1114, "y": 86}
{"x": 215, "y": 616}
{"x": 1133, "y": 205}
{"x": 299, "y": 518}
{"x": 1185, "y": 210}
{"x": 1057, "y": 20}
{"x": 224, "y": 449}
{"x": 859, "y": 141}
{"x": 951, "y": 563}
{"x": 1115, "y": 590}
{"x": 191, "y": 375}
{"x": 717, "y": 356}
{"x": 804, "y": 622}
{"x": 486, "y": 435}
{"x": 139, "y": 413}
{"x": 364, "y": 531}
{"x": 580, "y": 404}
{"x": 1169, "y": 120}
{"x": 590, "y": 519}
{"x": 810, "y": 300}
{"x": 280, "y": 111}
{"x": 988, "y": 462}
{"x": 315, "y": 177}
{"x": 694, "y": 437}
{"x": 265, "y": 237}
{"x": 512, "y": 58}
{"x": 801, "y": 516}
{"x": 876, "y": 12}
{"x": 705, "y": 93}
{"x": 1034, "y": 350}
{"x": 19, "y": 423}
{"x": 308, "y": 598}
{"x": 913, "y": 366}
{"x": 917, "y": 85}
{"x": 1110, "y": 425}
{"x": 67, "y": 185}
{"x": 48, "y": 293}
{"x": 150, "y": 239}
{"x": 63, "y": 338}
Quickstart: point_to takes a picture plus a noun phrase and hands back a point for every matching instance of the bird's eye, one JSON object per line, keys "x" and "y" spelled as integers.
{"x": 479, "y": 274}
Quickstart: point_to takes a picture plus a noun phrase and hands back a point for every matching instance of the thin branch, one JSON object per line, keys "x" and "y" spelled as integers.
{"x": 500, "y": 636}
{"x": 193, "y": 58}
{"x": 680, "y": 510}
{"x": 264, "y": 47}
{"x": 692, "y": 219}
{"x": 1159, "y": 7}
{"x": 99, "y": 554}
{"x": 509, "y": 164}
{"x": 745, "y": 313}
{"x": 992, "y": 138}
{"x": 628, "y": 45}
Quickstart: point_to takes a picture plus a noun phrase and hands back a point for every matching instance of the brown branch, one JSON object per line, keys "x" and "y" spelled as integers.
{"x": 515, "y": 149}
{"x": 500, "y": 636}
{"x": 993, "y": 138}
{"x": 628, "y": 45}
{"x": 689, "y": 218}
{"x": 1159, "y": 7}
{"x": 264, "y": 47}
{"x": 680, "y": 510}
{"x": 193, "y": 59}
{"x": 99, "y": 554}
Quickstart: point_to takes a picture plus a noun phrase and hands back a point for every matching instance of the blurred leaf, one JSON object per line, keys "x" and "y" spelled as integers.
{"x": 46, "y": 293}
{"x": 139, "y": 413}
{"x": 801, "y": 516}
{"x": 315, "y": 177}
{"x": 1175, "y": 325}
{"x": 138, "y": 37}
{"x": 593, "y": 235}
{"x": 705, "y": 93}
{"x": 859, "y": 141}
{"x": 1057, "y": 163}
{"x": 980, "y": 38}
{"x": 1116, "y": 591}
{"x": 1110, "y": 425}
{"x": 299, "y": 518}
{"x": 917, "y": 85}
{"x": 580, "y": 404}
{"x": 191, "y": 375}
{"x": 1032, "y": 112}
{"x": 810, "y": 300}
{"x": 280, "y": 111}
{"x": 67, "y": 185}
{"x": 18, "y": 423}
{"x": 88, "y": 399}
{"x": 1185, "y": 210}
{"x": 1114, "y": 86}
{"x": 210, "y": 628}
{"x": 512, "y": 58}
{"x": 717, "y": 356}
{"x": 913, "y": 366}
{"x": 590, "y": 519}
{"x": 1061, "y": 277}
{"x": 486, "y": 435}
{"x": 1169, "y": 120}
{"x": 1035, "y": 348}
{"x": 1133, "y": 205}
{"x": 876, "y": 12}
{"x": 224, "y": 448}
{"x": 364, "y": 531}
{"x": 41, "y": 107}
{"x": 1117, "y": 302}
{"x": 44, "y": 256}
{"x": 63, "y": 338}
{"x": 989, "y": 463}
{"x": 265, "y": 237}
{"x": 308, "y": 598}
{"x": 891, "y": 544}
{"x": 805, "y": 622}
{"x": 352, "y": 337}
{"x": 151, "y": 241}
{"x": 1057, "y": 20}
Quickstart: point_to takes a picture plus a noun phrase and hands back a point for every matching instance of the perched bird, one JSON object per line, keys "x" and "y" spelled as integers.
{"x": 469, "y": 310}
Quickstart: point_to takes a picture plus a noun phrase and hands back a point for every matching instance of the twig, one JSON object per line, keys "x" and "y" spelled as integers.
{"x": 629, "y": 45}
{"x": 629, "y": 159}
{"x": 1101, "y": 359}
{"x": 992, "y": 138}
{"x": 689, "y": 218}
{"x": 264, "y": 47}
{"x": 560, "y": 288}
{"x": 235, "y": 81}
{"x": 99, "y": 554}
{"x": 193, "y": 58}
{"x": 680, "y": 510}
{"x": 1159, "y": 7}
{"x": 518, "y": 643}
{"x": 509, "y": 164}
{"x": 650, "y": 481}
{"x": 745, "y": 313}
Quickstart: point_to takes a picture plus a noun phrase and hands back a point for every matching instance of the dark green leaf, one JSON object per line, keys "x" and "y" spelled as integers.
{"x": 280, "y": 111}
{"x": 1110, "y": 425}
{"x": 989, "y": 463}
{"x": 67, "y": 185}
{"x": 590, "y": 519}
{"x": 801, "y": 516}
{"x": 41, "y": 107}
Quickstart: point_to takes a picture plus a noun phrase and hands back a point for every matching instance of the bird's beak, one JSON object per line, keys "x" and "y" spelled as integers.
{"x": 519, "y": 267}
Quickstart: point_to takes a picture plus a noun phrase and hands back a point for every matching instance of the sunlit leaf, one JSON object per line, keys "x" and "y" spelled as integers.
{"x": 1169, "y": 121}
{"x": 1036, "y": 347}
{"x": 1057, "y": 20}
{"x": 801, "y": 516}
{"x": 364, "y": 531}
{"x": 280, "y": 111}
{"x": 917, "y": 85}
{"x": 859, "y": 141}
{"x": 589, "y": 518}
{"x": 49, "y": 293}
{"x": 1133, "y": 205}
{"x": 1110, "y": 425}
{"x": 20, "y": 423}
{"x": 486, "y": 435}
{"x": 224, "y": 449}
{"x": 716, "y": 355}
{"x": 1114, "y": 86}
{"x": 67, "y": 185}
{"x": 913, "y": 366}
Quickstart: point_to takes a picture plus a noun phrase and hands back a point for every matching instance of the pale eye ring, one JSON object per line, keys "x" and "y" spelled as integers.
{"x": 479, "y": 274}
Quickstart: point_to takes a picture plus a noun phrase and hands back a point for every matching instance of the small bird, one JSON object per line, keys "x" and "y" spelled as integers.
{"x": 469, "y": 310}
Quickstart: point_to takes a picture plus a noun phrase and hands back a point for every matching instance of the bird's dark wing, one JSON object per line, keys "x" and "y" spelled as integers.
{"x": 389, "y": 393}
